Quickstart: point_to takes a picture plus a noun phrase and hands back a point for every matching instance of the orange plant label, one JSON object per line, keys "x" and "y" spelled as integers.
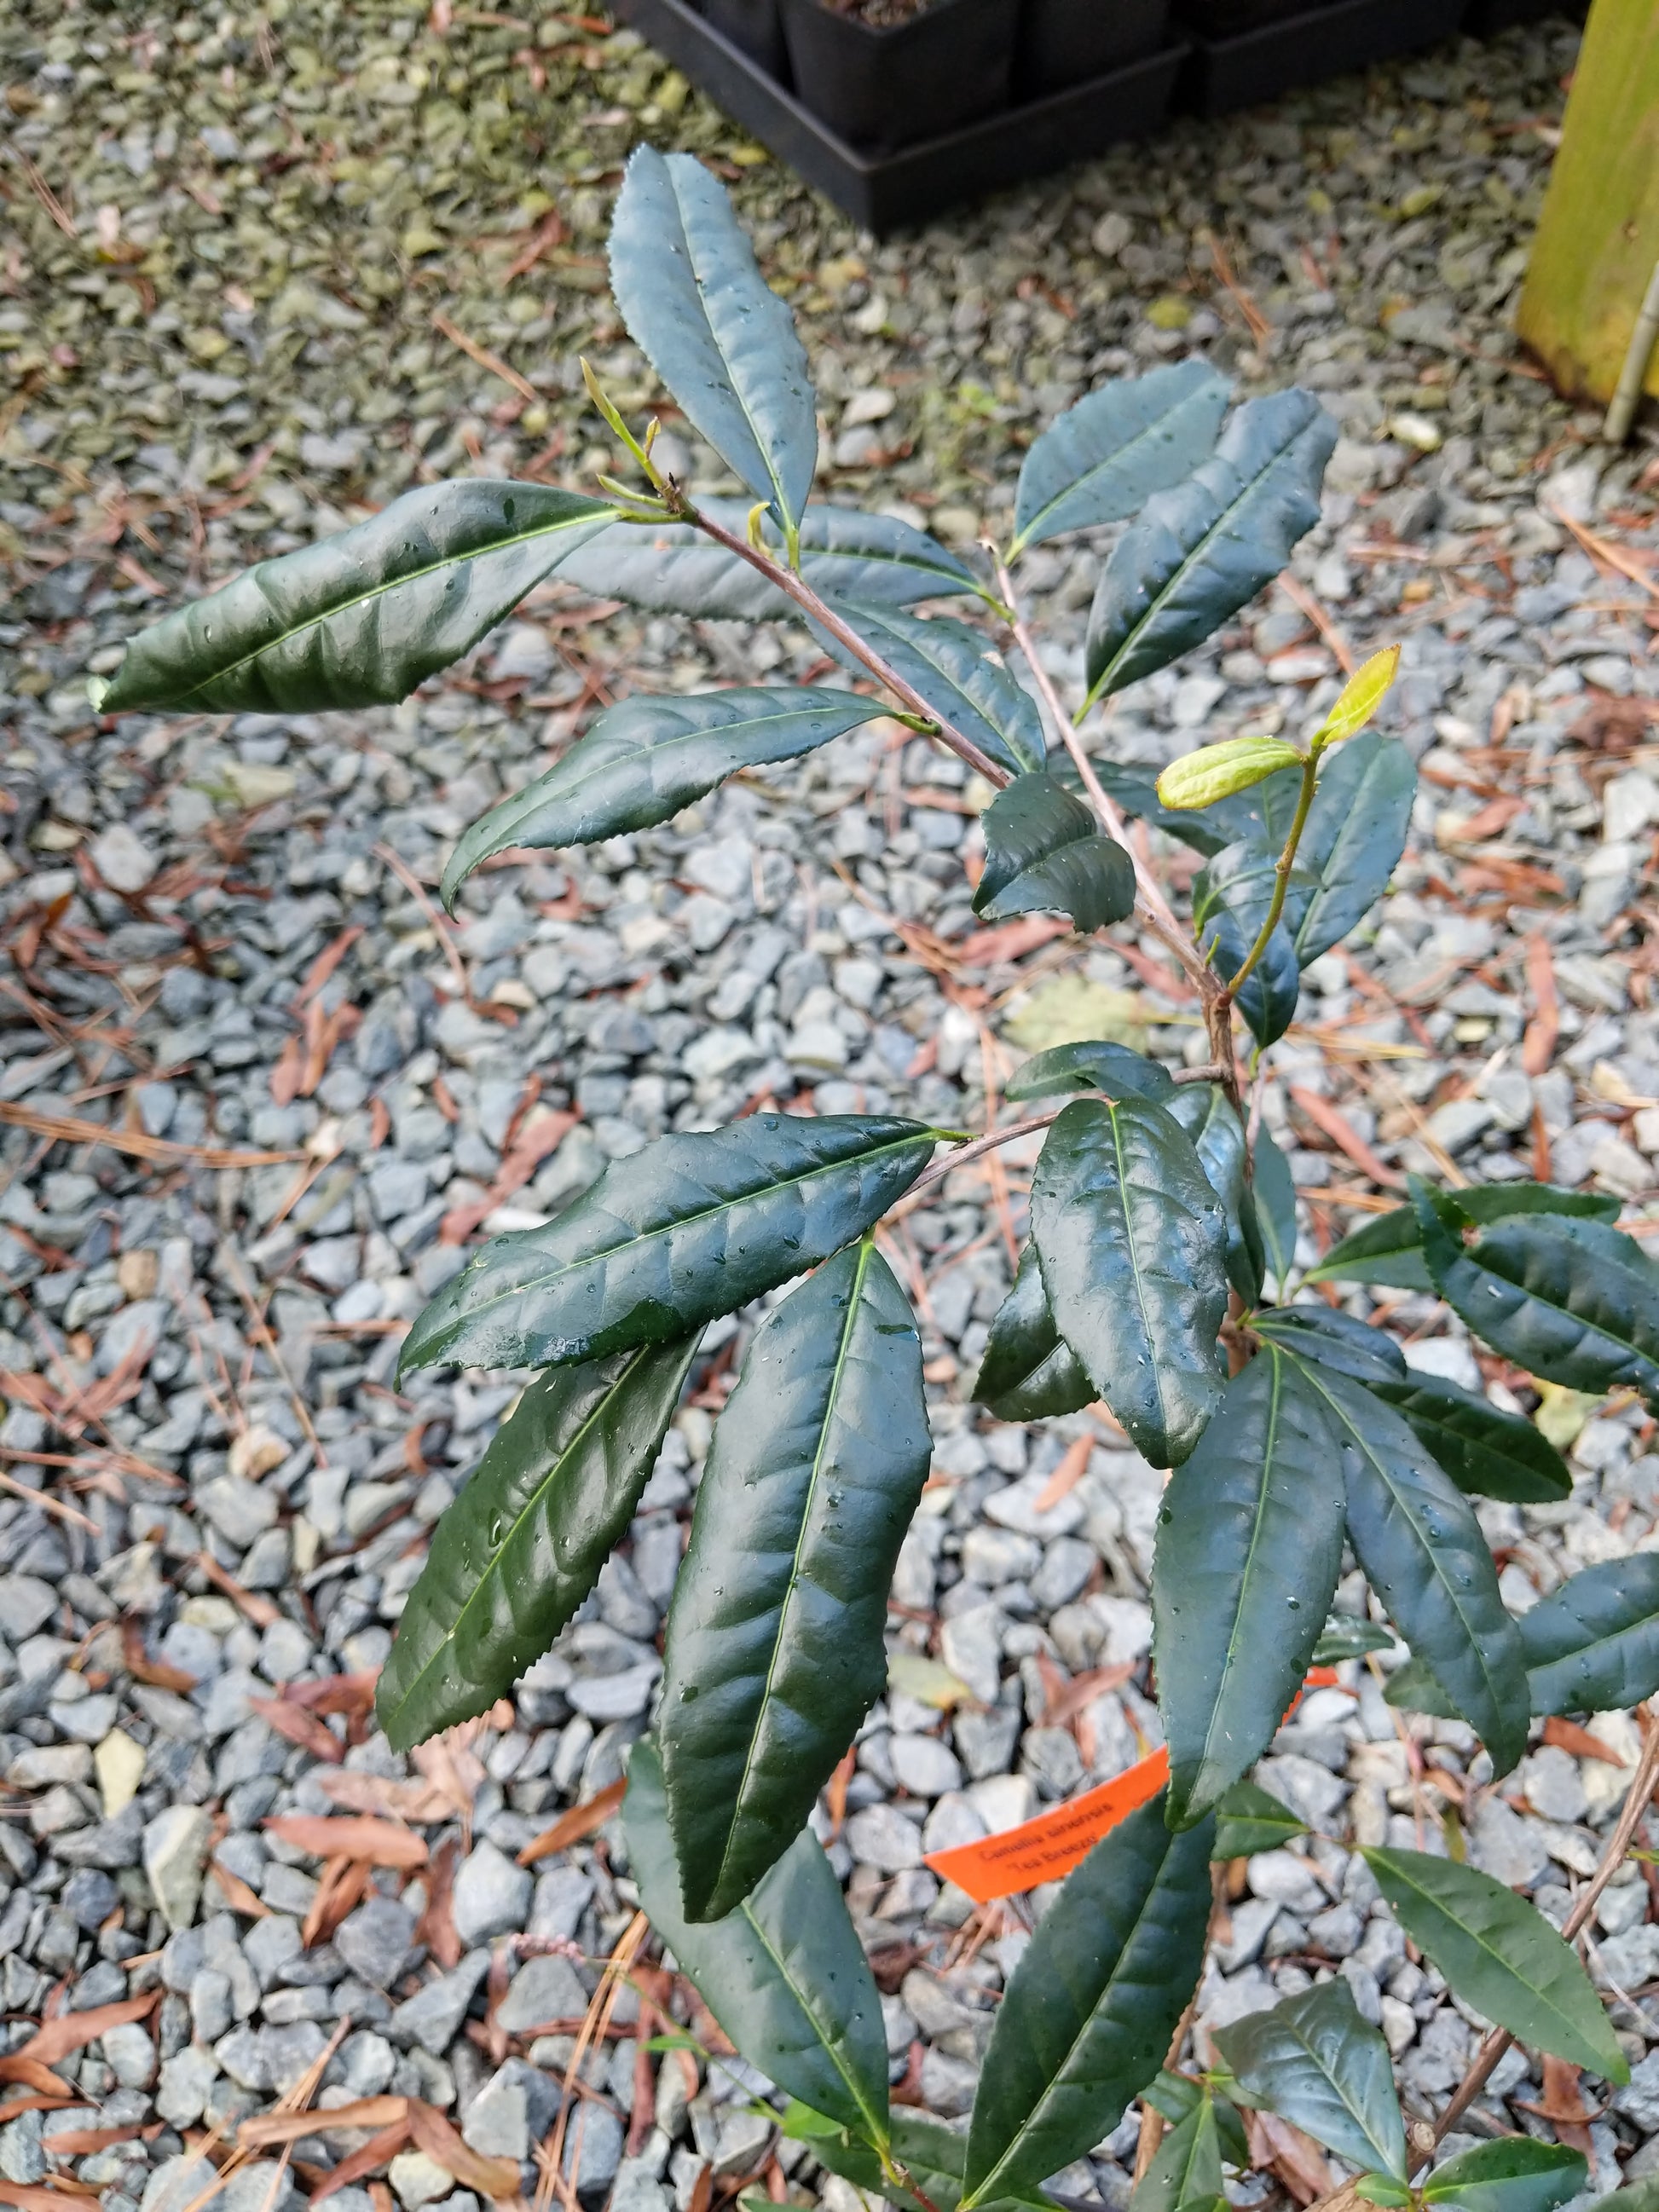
{"x": 1049, "y": 1846}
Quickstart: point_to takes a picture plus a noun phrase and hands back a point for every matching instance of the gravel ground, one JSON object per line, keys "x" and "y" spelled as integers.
{"x": 250, "y": 265}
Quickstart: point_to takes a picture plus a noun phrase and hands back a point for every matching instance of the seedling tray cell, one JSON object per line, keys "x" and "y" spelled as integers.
{"x": 1225, "y": 74}
{"x": 885, "y": 191}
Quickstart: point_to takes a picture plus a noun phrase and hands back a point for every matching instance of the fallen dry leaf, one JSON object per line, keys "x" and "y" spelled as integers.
{"x": 575, "y": 1825}
{"x": 379, "y": 2150}
{"x": 265, "y": 2129}
{"x": 491, "y": 2177}
{"x": 380, "y": 1843}
{"x": 72, "y": 2031}
{"x": 300, "y": 1727}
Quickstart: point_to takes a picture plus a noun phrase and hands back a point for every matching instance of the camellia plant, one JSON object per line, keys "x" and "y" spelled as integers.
{"x": 1161, "y": 1218}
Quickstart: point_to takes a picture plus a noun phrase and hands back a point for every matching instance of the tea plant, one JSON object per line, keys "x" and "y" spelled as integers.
{"x": 1160, "y": 1217}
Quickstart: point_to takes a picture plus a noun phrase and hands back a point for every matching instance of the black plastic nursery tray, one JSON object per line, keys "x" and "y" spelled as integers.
{"x": 883, "y": 191}
{"x": 1225, "y": 74}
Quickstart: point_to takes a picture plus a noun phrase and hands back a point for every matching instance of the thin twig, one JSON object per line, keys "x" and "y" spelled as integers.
{"x": 1160, "y": 914}
{"x": 71, "y": 1129}
{"x": 825, "y": 616}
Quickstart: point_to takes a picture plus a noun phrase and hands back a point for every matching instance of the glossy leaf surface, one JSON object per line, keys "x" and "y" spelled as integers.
{"x": 1093, "y": 1064}
{"x": 522, "y": 1546}
{"x": 1355, "y": 833}
{"x": 1186, "y": 2165}
{"x": 1389, "y": 1249}
{"x": 1487, "y": 1452}
{"x": 774, "y": 1651}
{"x": 1313, "y": 2061}
{"x": 685, "y": 277}
{"x": 1102, "y": 459}
{"x": 1501, "y": 1956}
{"x": 1135, "y": 789}
{"x": 1573, "y": 1300}
{"x": 1412, "y": 1687}
{"x": 1198, "y": 552}
{"x": 1592, "y": 1646}
{"x": 1335, "y": 1340}
{"x": 675, "y": 569}
{"x": 1089, "y": 2011}
{"x": 1249, "y": 1547}
{"x": 1029, "y": 1372}
{"x": 1250, "y": 1819}
{"x": 1416, "y": 1536}
{"x": 1218, "y": 1137}
{"x": 1043, "y": 851}
{"x": 1345, "y": 1636}
{"x": 784, "y": 1975}
{"x": 929, "y": 2152}
{"x": 358, "y": 619}
{"x": 1514, "y": 2175}
{"x": 1133, "y": 1244}
{"x": 690, "y": 1227}
{"x": 646, "y": 758}
{"x": 960, "y": 675}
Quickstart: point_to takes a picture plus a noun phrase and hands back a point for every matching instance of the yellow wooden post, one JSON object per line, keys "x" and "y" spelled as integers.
{"x": 1598, "y": 239}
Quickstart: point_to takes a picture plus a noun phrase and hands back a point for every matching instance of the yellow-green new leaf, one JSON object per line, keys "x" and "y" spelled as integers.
{"x": 1359, "y": 699}
{"x": 1215, "y": 772}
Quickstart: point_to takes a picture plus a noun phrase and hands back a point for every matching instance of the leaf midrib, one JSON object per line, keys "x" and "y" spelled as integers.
{"x": 1352, "y": 2109}
{"x": 879, "y": 2128}
{"x": 1474, "y": 1639}
{"x": 1191, "y": 560}
{"x": 362, "y": 599}
{"x": 1028, "y": 2125}
{"x": 1434, "y": 1904}
{"x": 576, "y": 1442}
{"x": 706, "y": 1213}
{"x": 1025, "y": 537}
{"x": 1475, "y": 1257}
{"x": 1269, "y": 1438}
{"x": 518, "y": 810}
{"x": 705, "y": 286}
{"x": 866, "y": 1254}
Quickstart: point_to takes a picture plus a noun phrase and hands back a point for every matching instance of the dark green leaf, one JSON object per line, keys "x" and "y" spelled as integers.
{"x": 1635, "y": 2197}
{"x": 1345, "y": 1636}
{"x": 774, "y": 1651}
{"x": 1230, "y": 901}
{"x": 929, "y": 2152}
{"x": 1198, "y": 553}
{"x": 1333, "y": 1339}
{"x": 645, "y": 759}
{"x": 1089, "y": 2011}
{"x": 358, "y": 619}
{"x": 1029, "y": 1373}
{"x": 1389, "y": 1250}
{"x": 1416, "y": 1536}
{"x": 1486, "y": 1452}
{"x": 784, "y": 1975}
{"x": 1572, "y": 1300}
{"x": 1355, "y": 833}
{"x": 1378, "y": 2189}
{"x": 685, "y": 277}
{"x": 1249, "y": 1547}
{"x": 1102, "y": 459}
{"x": 1514, "y": 2175}
{"x": 1218, "y": 1136}
{"x": 1250, "y": 1819}
{"x": 1133, "y": 1244}
{"x": 1501, "y": 1956}
{"x": 522, "y": 1546}
{"x": 1316, "y": 2063}
{"x": 1043, "y": 850}
{"x": 1275, "y": 1206}
{"x": 962, "y": 678}
{"x": 690, "y": 1227}
{"x": 1175, "y": 2095}
{"x": 1413, "y": 1688}
{"x": 675, "y": 569}
{"x": 1592, "y": 1646}
{"x": 1093, "y": 1064}
{"x": 1186, "y": 2165}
